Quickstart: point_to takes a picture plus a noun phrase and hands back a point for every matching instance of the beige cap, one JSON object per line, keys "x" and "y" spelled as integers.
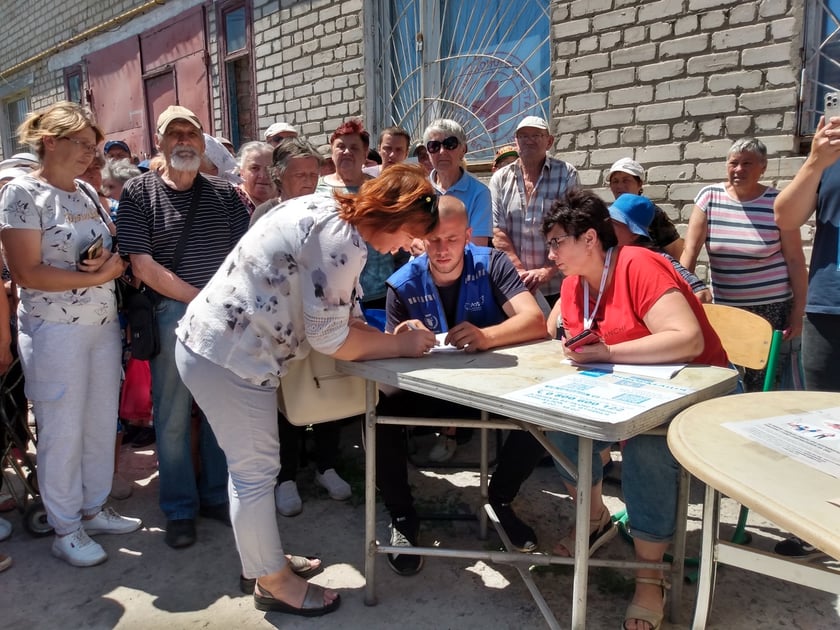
{"x": 176, "y": 112}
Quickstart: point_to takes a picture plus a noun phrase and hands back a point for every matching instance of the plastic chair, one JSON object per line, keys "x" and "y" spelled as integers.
{"x": 750, "y": 342}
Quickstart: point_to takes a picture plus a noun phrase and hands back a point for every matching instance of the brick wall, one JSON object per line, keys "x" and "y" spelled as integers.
{"x": 672, "y": 83}
{"x": 309, "y": 64}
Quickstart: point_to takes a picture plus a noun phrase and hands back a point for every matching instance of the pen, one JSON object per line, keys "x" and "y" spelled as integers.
{"x": 411, "y": 326}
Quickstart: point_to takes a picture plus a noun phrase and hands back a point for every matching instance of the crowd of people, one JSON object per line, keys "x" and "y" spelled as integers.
{"x": 254, "y": 258}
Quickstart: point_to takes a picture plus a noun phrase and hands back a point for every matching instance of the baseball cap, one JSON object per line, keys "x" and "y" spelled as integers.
{"x": 20, "y": 160}
{"x": 176, "y": 112}
{"x": 506, "y": 151}
{"x": 279, "y": 127}
{"x": 532, "y": 121}
{"x": 7, "y": 174}
{"x": 634, "y": 211}
{"x": 629, "y": 166}
{"x": 116, "y": 143}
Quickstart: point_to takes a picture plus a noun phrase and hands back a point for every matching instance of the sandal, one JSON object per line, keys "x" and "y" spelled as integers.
{"x": 301, "y": 565}
{"x": 640, "y": 613}
{"x": 313, "y": 602}
{"x": 601, "y": 531}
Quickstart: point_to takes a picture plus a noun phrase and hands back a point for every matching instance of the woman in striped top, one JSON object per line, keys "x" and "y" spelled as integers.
{"x": 752, "y": 263}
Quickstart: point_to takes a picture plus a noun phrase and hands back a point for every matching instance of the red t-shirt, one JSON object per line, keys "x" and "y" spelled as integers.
{"x": 640, "y": 278}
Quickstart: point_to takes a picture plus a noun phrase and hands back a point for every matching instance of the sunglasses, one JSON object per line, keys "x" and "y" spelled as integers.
{"x": 450, "y": 144}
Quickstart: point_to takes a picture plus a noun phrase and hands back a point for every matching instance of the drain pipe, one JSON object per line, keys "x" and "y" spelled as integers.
{"x": 107, "y": 25}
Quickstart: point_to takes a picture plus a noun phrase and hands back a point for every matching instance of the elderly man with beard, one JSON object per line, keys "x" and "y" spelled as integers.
{"x": 154, "y": 212}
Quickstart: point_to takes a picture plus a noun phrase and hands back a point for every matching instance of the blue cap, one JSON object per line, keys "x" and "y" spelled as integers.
{"x": 116, "y": 143}
{"x": 634, "y": 211}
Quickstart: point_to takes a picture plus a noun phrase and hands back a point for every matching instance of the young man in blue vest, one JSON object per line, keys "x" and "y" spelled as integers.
{"x": 473, "y": 294}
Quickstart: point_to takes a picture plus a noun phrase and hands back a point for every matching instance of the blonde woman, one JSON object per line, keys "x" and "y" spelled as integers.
{"x": 58, "y": 249}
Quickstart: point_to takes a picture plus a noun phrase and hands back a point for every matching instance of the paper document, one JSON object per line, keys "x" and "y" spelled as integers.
{"x": 665, "y": 371}
{"x": 442, "y": 345}
{"x": 601, "y": 395}
{"x": 810, "y": 437}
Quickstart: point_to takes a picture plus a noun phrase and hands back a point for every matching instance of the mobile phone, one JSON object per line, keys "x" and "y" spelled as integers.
{"x": 832, "y": 106}
{"x": 91, "y": 251}
{"x": 582, "y": 339}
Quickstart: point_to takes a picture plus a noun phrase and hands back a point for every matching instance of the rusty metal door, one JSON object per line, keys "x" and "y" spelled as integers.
{"x": 116, "y": 93}
{"x": 175, "y": 67}
{"x": 133, "y": 81}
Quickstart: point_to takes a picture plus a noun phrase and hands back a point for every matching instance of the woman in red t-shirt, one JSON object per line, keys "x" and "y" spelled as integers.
{"x": 639, "y": 310}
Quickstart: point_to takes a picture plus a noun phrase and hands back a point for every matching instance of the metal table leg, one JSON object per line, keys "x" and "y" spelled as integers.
{"x": 370, "y": 494}
{"x": 584, "y": 502}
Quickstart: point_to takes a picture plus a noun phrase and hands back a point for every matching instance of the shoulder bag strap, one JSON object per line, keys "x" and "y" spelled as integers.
{"x": 182, "y": 242}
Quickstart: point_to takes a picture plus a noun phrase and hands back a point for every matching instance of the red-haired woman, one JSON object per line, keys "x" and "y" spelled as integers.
{"x": 288, "y": 286}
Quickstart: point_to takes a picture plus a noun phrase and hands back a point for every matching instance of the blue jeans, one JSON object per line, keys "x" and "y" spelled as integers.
{"x": 649, "y": 478}
{"x": 821, "y": 352}
{"x": 180, "y": 493}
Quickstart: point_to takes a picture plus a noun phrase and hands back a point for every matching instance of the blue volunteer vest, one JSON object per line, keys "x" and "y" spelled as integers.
{"x": 414, "y": 285}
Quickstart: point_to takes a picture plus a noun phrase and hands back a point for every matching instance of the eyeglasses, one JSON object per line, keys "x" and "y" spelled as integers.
{"x": 274, "y": 139}
{"x": 554, "y": 243}
{"x": 530, "y": 137}
{"x": 450, "y": 144}
{"x": 87, "y": 147}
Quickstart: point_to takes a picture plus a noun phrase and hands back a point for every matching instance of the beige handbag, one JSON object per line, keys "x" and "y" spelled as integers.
{"x": 313, "y": 391}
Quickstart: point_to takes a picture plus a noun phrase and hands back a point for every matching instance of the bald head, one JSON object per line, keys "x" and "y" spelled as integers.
{"x": 445, "y": 245}
{"x": 452, "y": 209}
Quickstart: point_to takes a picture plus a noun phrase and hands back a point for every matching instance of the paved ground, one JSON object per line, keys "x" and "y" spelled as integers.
{"x": 144, "y": 584}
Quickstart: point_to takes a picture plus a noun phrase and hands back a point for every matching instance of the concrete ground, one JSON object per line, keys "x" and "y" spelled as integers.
{"x": 145, "y": 584}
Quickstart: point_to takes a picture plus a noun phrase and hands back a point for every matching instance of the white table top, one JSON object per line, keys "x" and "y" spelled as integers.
{"x": 783, "y": 490}
{"x": 481, "y": 380}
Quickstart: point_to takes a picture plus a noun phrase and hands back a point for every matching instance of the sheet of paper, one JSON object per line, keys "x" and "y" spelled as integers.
{"x": 600, "y": 394}
{"x": 665, "y": 371}
{"x": 442, "y": 345}
{"x": 810, "y": 437}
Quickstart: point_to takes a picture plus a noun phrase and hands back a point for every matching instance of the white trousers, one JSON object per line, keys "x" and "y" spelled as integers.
{"x": 72, "y": 377}
{"x": 244, "y": 419}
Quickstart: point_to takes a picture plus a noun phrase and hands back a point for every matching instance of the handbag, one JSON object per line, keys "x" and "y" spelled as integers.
{"x": 136, "y": 394}
{"x": 314, "y": 391}
{"x": 140, "y": 303}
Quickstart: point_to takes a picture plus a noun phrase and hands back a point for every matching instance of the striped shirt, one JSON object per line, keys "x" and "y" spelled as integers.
{"x": 747, "y": 267}
{"x": 152, "y": 216}
{"x": 522, "y": 221}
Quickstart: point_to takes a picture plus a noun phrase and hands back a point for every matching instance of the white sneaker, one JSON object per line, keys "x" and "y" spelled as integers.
{"x": 5, "y": 529}
{"x": 78, "y": 549}
{"x": 287, "y": 499}
{"x": 109, "y": 522}
{"x": 337, "y": 488}
{"x": 444, "y": 449}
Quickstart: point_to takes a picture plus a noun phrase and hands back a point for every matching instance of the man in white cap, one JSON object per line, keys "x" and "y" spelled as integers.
{"x": 522, "y": 193}
{"x": 279, "y": 130}
{"x": 627, "y": 176}
{"x": 156, "y": 208}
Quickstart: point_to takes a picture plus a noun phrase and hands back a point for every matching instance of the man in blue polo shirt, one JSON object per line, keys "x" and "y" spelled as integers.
{"x": 475, "y": 296}
{"x": 446, "y": 143}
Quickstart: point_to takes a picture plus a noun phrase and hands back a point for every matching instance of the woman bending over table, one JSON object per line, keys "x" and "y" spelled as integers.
{"x": 639, "y": 310}
{"x": 289, "y": 285}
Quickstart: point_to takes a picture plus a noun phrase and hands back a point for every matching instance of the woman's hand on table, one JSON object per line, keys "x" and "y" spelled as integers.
{"x": 414, "y": 338}
{"x": 597, "y": 352}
